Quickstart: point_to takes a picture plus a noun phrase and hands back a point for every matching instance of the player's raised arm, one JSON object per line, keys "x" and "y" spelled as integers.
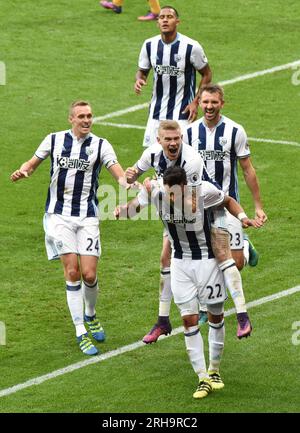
{"x": 26, "y": 169}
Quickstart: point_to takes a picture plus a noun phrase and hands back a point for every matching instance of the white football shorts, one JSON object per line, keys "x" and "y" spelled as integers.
{"x": 225, "y": 220}
{"x": 67, "y": 234}
{"x": 150, "y": 136}
{"x": 234, "y": 226}
{"x": 201, "y": 279}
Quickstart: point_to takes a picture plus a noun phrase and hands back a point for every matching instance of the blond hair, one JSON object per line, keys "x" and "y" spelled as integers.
{"x": 78, "y": 103}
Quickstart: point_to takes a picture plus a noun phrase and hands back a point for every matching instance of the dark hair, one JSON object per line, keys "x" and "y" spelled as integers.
{"x": 174, "y": 176}
{"x": 171, "y": 7}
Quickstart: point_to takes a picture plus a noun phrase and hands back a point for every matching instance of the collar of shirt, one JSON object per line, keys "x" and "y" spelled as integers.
{"x": 171, "y": 43}
{"x": 213, "y": 129}
{"x": 80, "y": 140}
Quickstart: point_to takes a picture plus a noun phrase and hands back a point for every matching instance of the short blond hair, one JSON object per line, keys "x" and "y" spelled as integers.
{"x": 168, "y": 125}
{"x": 78, "y": 103}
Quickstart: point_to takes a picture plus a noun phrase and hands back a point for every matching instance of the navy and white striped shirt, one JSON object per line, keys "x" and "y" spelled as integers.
{"x": 75, "y": 167}
{"x": 220, "y": 147}
{"x": 174, "y": 66}
{"x": 188, "y": 239}
{"x": 189, "y": 159}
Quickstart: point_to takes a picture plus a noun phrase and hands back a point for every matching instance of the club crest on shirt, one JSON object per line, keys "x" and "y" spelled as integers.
{"x": 89, "y": 151}
{"x": 177, "y": 58}
{"x": 222, "y": 141}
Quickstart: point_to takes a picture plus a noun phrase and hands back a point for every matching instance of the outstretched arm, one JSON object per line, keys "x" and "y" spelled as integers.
{"x": 236, "y": 210}
{"x": 26, "y": 169}
{"x": 128, "y": 210}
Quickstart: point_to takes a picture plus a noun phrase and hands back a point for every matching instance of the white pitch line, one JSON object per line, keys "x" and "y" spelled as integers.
{"x": 268, "y": 140}
{"x": 244, "y": 77}
{"x": 262, "y": 140}
{"x": 129, "y": 348}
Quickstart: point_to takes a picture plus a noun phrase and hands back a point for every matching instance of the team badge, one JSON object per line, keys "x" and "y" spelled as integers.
{"x": 89, "y": 151}
{"x": 59, "y": 245}
{"x": 222, "y": 141}
{"x": 177, "y": 58}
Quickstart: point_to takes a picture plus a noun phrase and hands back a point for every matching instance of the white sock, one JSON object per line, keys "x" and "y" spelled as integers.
{"x": 233, "y": 282}
{"x": 216, "y": 338}
{"x": 194, "y": 347}
{"x": 90, "y": 294}
{"x": 165, "y": 296}
{"x": 246, "y": 252}
{"x": 75, "y": 303}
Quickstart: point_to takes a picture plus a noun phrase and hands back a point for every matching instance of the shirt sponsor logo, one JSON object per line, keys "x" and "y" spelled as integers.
{"x": 66, "y": 162}
{"x": 213, "y": 155}
{"x": 173, "y": 71}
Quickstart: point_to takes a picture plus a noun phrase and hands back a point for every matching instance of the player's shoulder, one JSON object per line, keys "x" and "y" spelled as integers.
{"x": 232, "y": 123}
{"x": 194, "y": 125}
{"x": 187, "y": 39}
{"x": 153, "y": 39}
{"x": 155, "y": 149}
{"x": 189, "y": 151}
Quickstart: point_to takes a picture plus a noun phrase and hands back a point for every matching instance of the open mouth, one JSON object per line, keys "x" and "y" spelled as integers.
{"x": 173, "y": 151}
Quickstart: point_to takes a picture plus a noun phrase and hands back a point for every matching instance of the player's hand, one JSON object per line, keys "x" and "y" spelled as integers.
{"x": 131, "y": 174}
{"x": 247, "y": 222}
{"x": 19, "y": 174}
{"x": 192, "y": 109}
{"x": 120, "y": 211}
{"x": 140, "y": 82}
{"x": 260, "y": 214}
{"x": 147, "y": 185}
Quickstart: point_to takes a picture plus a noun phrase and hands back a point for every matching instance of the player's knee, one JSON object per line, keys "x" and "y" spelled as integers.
{"x": 215, "y": 318}
{"x": 239, "y": 261}
{"x": 89, "y": 276}
{"x": 191, "y": 320}
{"x": 72, "y": 274}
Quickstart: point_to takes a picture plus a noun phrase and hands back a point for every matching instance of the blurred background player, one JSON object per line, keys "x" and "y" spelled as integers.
{"x": 116, "y": 6}
{"x": 222, "y": 143}
{"x": 71, "y": 220}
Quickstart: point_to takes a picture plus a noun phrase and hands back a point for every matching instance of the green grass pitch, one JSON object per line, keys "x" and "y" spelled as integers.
{"x": 56, "y": 52}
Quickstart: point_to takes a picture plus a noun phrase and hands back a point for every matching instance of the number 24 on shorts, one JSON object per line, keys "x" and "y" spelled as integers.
{"x": 90, "y": 245}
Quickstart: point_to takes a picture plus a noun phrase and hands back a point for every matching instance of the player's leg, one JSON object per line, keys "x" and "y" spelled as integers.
{"x": 184, "y": 287}
{"x": 115, "y": 5}
{"x": 163, "y": 325}
{"x": 75, "y": 301}
{"x": 251, "y": 256}
{"x": 61, "y": 242}
{"x": 153, "y": 12}
{"x": 227, "y": 250}
{"x": 89, "y": 247}
{"x": 216, "y": 339}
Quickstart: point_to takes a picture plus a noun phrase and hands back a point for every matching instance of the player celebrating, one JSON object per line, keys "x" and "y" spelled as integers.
{"x": 169, "y": 151}
{"x": 195, "y": 275}
{"x": 71, "y": 221}
{"x": 174, "y": 58}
